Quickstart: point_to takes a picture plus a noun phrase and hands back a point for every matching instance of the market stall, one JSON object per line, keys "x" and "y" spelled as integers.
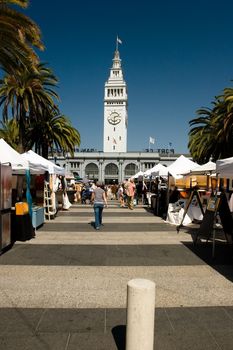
{"x": 13, "y": 227}
{"x": 46, "y": 191}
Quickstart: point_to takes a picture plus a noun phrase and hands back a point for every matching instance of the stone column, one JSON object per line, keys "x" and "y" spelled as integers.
{"x": 101, "y": 170}
{"x": 140, "y": 314}
{"x": 120, "y": 175}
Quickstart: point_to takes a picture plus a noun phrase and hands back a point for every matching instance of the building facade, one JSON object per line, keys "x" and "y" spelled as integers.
{"x": 114, "y": 164}
{"x": 113, "y": 167}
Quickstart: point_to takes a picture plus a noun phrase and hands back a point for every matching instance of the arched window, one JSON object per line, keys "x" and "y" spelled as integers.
{"x": 111, "y": 169}
{"x": 130, "y": 170}
{"x": 92, "y": 171}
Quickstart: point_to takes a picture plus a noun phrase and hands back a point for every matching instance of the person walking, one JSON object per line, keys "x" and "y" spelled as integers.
{"x": 99, "y": 199}
{"x": 130, "y": 191}
{"x": 120, "y": 195}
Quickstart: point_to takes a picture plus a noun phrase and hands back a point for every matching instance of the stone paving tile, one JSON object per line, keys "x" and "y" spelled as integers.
{"x": 105, "y": 329}
{"x": 107, "y": 213}
{"x": 72, "y": 321}
{"x": 213, "y": 319}
{"x": 207, "y": 318}
{"x": 114, "y": 317}
{"x": 37, "y": 342}
{"x": 223, "y": 253}
{"x": 108, "y": 227}
{"x": 92, "y": 341}
{"x": 19, "y": 320}
{"x": 101, "y": 255}
{"x": 224, "y": 338}
{"x": 190, "y": 339}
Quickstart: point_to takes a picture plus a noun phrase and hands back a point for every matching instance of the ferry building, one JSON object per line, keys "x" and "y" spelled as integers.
{"x": 114, "y": 163}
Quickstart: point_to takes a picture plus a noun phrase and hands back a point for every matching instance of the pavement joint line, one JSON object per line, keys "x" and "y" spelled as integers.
{"x": 68, "y": 341}
{"x": 105, "y": 320}
{"x": 41, "y": 317}
{"x": 213, "y": 338}
{"x": 169, "y": 320}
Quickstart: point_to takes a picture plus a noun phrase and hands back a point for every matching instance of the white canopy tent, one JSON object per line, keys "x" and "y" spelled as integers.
{"x": 140, "y": 173}
{"x": 40, "y": 164}
{"x": 8, "y": 155}
{"x": 181, "y": 166}
{"x": 224, "y": 167}
{"x": 159, "y": 170}
{"x": 207, "y": 168}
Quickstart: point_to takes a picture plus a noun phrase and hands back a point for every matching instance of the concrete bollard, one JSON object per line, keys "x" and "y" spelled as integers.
{"x": 140, "y": 314}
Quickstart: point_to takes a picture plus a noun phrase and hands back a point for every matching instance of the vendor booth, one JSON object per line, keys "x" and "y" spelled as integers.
{"x": 200, "y": 183}
{"x": 8, "y": 155}
{"x": 177, "y": 182}
{"x": 13, "y": 227}
{"x": 47, "y": 188}
{"x": 39, "y": 164}
{"x": 180, "y": 166}
{"x": 224, "y": 168}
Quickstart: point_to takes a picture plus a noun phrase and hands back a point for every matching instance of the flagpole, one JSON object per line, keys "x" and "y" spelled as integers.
{"x": 117, "y": 43}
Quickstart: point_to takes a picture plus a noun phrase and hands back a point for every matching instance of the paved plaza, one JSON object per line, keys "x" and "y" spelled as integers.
{"x": 66, "y": 288}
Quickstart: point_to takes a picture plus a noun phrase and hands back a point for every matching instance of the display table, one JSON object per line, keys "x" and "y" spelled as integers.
{"x": 37, "y": 216}
{"x": 148, "y": 196}
{"x": 21, "y": 227}
{"x": 70, "y": 194}
{"x": 175, "y": 213}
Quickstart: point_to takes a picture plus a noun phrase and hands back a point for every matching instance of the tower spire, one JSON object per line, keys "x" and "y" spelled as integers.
{"x": 115, "y": 108}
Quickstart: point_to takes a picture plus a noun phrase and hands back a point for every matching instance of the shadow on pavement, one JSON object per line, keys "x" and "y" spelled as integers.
{"x": 119, "y": 335}
{"x": 222, "y": 258}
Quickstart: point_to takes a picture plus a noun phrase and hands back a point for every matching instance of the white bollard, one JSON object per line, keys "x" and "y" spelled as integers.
{"x": 140, "y": 314}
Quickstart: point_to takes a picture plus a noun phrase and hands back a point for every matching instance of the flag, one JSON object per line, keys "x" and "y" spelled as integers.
{"x": 119, "y": 40}
{"x": 114, "y": 141}
{"x": 152, "y": 140}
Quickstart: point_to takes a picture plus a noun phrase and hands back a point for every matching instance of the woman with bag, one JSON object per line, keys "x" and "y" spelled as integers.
{"x": 99, "y": 199}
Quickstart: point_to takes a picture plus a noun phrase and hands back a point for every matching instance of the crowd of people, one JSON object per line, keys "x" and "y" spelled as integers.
{"x": 129, "y": 193}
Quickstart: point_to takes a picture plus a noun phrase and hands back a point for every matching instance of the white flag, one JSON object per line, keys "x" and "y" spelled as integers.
{"x": 119, "y": 40}
{"x": 152, "y": 140}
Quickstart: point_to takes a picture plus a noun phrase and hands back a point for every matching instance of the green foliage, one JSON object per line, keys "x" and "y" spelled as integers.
{"x": 9, "y": 131}
{"x": 18, "y": 37}
{"x": 27, "y": 96}
{"x": 211, "y": 135}
{"x": 53, "y": 131}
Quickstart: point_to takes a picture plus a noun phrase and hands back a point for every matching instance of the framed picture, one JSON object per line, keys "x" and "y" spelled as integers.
{"x": 213, "y": 203}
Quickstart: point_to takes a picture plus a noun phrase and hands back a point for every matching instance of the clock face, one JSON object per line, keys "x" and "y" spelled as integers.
{"x": 114, "y": 118}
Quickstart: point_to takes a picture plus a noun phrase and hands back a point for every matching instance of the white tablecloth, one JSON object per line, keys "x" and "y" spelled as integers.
{"x": 175, "y": 213}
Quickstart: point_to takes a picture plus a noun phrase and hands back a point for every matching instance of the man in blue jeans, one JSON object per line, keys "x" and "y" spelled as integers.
{"x": 99, "y": 199}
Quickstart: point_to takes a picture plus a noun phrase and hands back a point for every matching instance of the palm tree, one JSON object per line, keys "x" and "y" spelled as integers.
{"x": 228, "y": 120}
{"x": 9, "y": 131}
{"x": 212, "y": 133}
{"x": 18, "y": 35}
{"x": 53, "y": 131}
{"x": 25, "y": 95}
{"x": 200, "y": 142}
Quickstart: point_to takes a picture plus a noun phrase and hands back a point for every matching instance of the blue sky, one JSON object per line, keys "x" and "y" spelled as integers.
{"x": 176, "y": 56}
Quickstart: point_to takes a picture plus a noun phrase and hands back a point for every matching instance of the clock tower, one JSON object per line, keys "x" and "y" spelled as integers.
{"x": 115, "y": 108}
